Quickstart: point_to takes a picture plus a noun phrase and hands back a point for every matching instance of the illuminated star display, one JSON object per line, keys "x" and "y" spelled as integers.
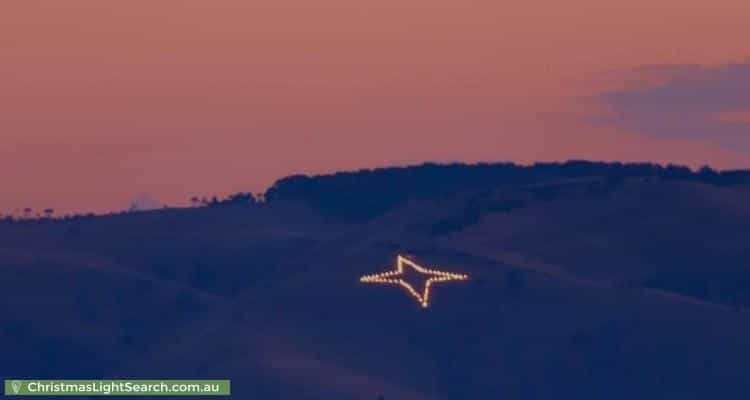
{"x": 396, "y": 277}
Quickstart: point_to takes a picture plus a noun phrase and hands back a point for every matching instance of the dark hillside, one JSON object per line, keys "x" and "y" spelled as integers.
{"x": 587, "y": 281}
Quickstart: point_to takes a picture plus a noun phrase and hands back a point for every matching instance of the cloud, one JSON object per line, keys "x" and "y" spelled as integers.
{"x": 692, "y": 103}
{"x": 143, "y": 202}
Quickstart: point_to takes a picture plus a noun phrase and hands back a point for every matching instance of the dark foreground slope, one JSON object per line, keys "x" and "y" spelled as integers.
{"x": 583, "y": 287}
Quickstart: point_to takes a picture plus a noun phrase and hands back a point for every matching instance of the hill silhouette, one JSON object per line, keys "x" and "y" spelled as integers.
{"x": 367, "y": 193}
{"x": 587, "y": 281}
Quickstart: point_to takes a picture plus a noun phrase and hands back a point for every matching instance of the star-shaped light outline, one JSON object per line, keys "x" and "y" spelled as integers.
{"x": 393, "y": 278}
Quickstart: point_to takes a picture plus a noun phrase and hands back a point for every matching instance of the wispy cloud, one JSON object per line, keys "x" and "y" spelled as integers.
{"x": 692, "y": 103}
{"x": 143, "y": 202}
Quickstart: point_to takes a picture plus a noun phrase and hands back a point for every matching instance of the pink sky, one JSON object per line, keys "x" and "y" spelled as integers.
{"x": 101, "y": 101}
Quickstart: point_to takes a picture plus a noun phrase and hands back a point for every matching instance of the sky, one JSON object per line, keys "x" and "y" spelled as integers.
{"x": 105, "y": 102}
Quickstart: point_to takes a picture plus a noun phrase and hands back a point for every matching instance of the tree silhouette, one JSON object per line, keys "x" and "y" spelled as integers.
{"x": 365, "y": 194}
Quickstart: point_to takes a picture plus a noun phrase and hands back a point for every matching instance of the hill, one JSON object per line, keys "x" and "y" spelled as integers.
{"x": 368, "y": 193}
{"x": 587, "y": 281}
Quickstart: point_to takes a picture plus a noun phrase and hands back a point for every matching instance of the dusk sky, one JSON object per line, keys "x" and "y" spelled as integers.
{"x": 101, "y": 102}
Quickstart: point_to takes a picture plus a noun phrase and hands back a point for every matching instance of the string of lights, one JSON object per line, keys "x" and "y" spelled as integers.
{"x": 395, "y": 277}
